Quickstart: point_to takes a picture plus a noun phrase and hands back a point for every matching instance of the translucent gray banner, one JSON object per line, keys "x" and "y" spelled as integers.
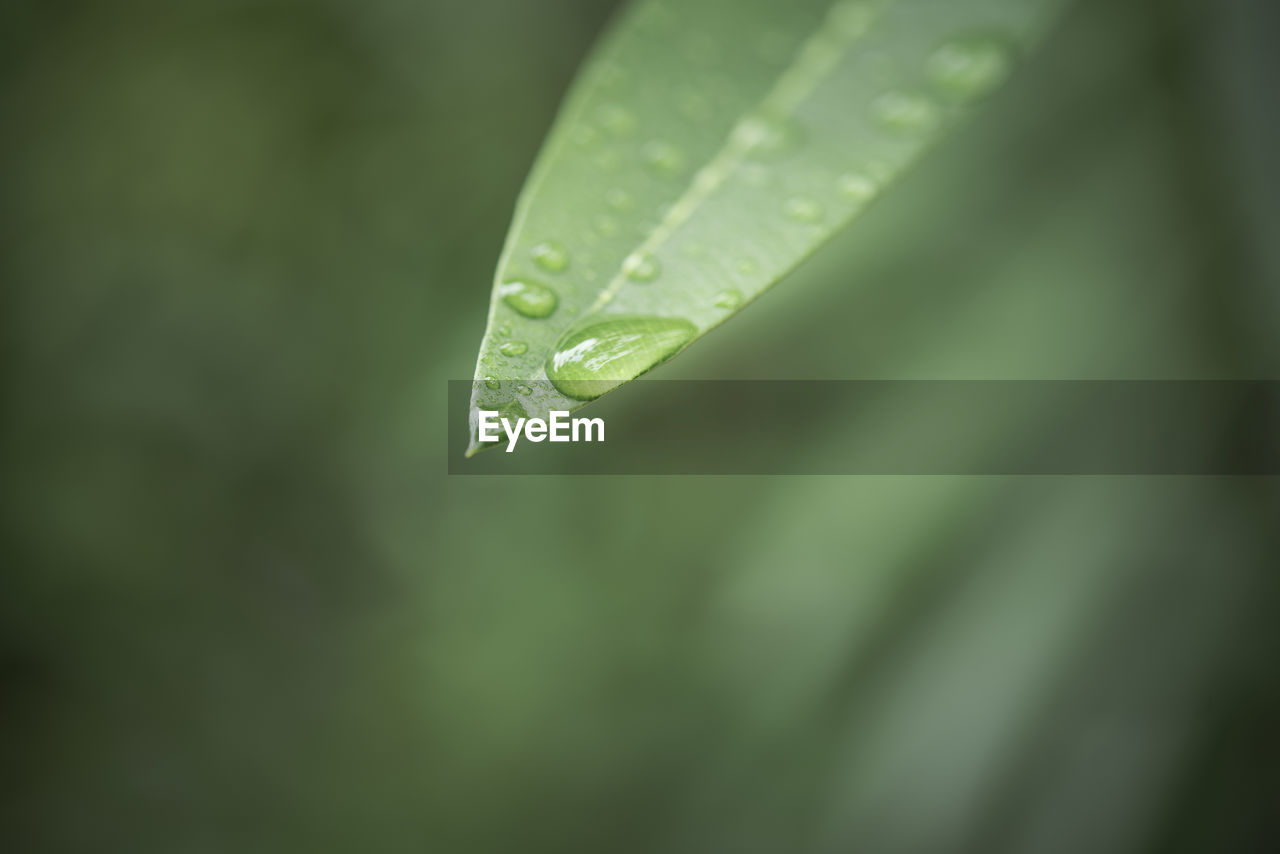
{"x": 675, "y": 427}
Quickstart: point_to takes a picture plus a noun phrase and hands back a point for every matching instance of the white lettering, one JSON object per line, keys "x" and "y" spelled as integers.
{"x": 559, "y": 427}
{"x": 512, "y": 434}
{"x": 586, "y": 424}
{"x": 488, "y": 425}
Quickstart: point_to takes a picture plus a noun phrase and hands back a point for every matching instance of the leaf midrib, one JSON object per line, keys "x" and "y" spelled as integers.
{"x": 816, "y": 57}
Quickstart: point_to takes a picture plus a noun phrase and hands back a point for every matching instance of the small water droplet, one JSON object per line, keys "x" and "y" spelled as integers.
{"x": 550, "y": 256}
{"x": 616, "y": 120}
{"x": 504, "y": 330}
{"x": 768, "y": 137}
{"x": 641, "y": 268}
{"x": 492, "y": 382}
{"x": 663, "y": 158}
{"x": 606, "y": 226}
{"x": 513, "y": 348}
{"x": 803, "y": 209}
{"x": 619, "y": 200}
{"x": 524, "y": 389}
{"x": 730, "y": 298}
{"x": 529, "y": 298}
{"x": 970, "y": 67}
{"x": 906, "y": 112}
{"x": 856, "y": 187}
{"x": 590, "y": 361}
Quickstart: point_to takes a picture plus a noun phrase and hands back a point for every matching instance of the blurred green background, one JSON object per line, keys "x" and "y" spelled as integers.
{"x": 244, "y": 609}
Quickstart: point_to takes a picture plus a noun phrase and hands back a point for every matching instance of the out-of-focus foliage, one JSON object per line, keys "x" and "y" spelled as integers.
{"x": 244, "y": 609}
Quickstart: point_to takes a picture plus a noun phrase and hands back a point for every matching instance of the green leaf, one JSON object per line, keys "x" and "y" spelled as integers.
{"x": 706, "y": 149}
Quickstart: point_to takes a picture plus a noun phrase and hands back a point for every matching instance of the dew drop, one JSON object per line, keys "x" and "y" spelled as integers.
{"x": 513, "y": 348}
{"x": 524, "y": 389}
{"x": 492, "y": 382}
{"x": 768, "y": 137}
{"x": 856, "y": 187}
{"x": 504, "y": 330}
{"x": 971, "y": 67}
{"x": 641, "y": 268}
{"x": 728, "y": 299}
{"x": 616, "y": 120}
{"x": 663, "y": 158}
{"x": 550, "y": 256}
{"x": 597, "y": 358}
{"x": 619, "y": 200}
{"x": 906, "y": 112}
{"x": 529, "y": 298}
{"x": 511, "y": 410}
{"x": 803, "y": 209}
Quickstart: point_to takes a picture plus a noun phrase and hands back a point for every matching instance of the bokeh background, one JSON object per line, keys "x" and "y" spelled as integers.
{"x": 247, "y": 242}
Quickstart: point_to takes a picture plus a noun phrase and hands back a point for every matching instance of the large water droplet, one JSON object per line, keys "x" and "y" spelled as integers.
{"x": 970, "y": 67}
{"x": 641, "y": 268}
{"x": 550, "y": 256}
{"x": 594, "y": 359}
{"x": 803, "y": 209}
{"x": 513, "y": 348}
{"x": 663, "y": 158}
{"x": 730, "y": 298}
{"x": 529, "y": 298}
{"x": 906, "y": 112}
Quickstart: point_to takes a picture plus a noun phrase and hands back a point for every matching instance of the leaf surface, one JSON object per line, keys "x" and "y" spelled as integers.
{"x": 707, "y": 148}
